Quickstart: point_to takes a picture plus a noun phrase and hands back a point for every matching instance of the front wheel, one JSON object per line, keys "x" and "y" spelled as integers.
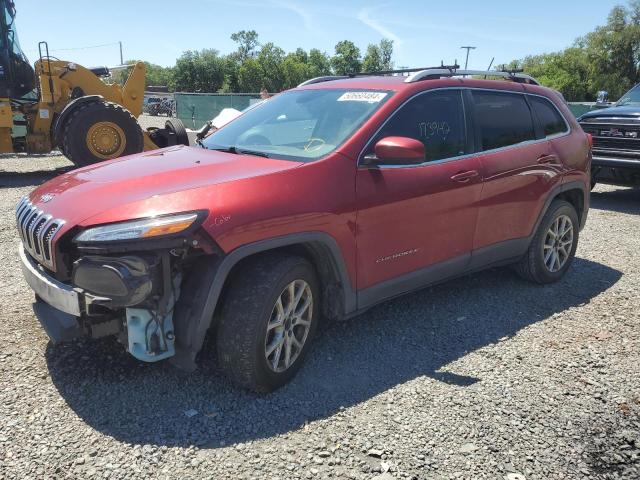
{"x": 268, "y": 321}
{"x": 553, "y": 246}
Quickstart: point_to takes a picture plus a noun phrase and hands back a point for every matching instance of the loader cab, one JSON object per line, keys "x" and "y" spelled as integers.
{"x": 16, "y": 74}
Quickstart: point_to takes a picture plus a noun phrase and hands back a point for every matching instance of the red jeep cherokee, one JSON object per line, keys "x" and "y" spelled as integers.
{"x": 321, "y": 202}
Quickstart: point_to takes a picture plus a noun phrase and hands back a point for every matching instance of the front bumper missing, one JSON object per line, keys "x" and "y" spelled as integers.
{"x": 57, "y": 294}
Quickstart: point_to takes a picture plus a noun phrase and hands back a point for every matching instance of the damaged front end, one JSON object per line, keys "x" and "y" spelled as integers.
{"x": 121, "y": 280}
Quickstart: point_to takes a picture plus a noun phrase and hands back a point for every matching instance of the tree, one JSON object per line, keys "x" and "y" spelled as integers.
{"x": 346, "y": 59}
{"x": 372, "y": 61}
{"x": 270, "y": 59}
{"x": 247, "y": 43}
{"x": 606, "y": 59}
{"x": 386, "y": 53}
{"x": 250, "y": 76}
{"x": 202, "y": 71}
{"x": 319, "y": 63}
{"x": 378, "y": 57}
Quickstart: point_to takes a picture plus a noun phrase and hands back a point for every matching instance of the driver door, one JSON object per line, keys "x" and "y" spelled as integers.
{"x": 415, "y": 222}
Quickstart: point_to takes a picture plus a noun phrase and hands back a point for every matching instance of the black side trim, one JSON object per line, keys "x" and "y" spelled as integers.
{"x": 412, "y": 281}
{"x": 499, "y": 252}
{"x": 58, "y": 123}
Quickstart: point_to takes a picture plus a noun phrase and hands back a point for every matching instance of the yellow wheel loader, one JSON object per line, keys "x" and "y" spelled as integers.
{"x": 62, "y": 105}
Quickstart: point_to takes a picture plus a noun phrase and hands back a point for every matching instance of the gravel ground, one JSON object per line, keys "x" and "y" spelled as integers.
{"x": 484, "y": 377}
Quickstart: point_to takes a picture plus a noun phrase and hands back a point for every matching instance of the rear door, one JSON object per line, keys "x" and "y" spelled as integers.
{"x": 519, "y": 170}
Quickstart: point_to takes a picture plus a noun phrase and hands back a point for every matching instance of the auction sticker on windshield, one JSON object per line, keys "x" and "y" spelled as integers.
{"x": 371, "y": 97}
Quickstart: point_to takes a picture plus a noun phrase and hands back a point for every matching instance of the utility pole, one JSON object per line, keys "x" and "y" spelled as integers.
{"x": 466, "y": 63}
{"x": 121, "y": 59}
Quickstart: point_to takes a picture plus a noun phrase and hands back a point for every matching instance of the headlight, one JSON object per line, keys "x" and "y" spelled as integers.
{"x": 144, "y": 228}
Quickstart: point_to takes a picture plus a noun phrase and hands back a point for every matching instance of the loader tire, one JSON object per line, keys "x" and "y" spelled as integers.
{"x": 176, "y": 126}
{"x": 99, "y": 131}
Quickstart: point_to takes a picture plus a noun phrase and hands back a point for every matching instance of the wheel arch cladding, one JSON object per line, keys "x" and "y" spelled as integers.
{"x": 203, "y": 288}
{"x": 575, "y": 196}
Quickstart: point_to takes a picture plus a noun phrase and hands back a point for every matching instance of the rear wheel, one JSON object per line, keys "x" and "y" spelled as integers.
{"x": 100, "y": 131}
{"x": 268, "y": 322}
{"x": 553, "y": 246}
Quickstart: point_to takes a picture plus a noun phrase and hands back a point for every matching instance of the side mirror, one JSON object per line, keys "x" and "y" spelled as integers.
{"x": 397, "y": 151}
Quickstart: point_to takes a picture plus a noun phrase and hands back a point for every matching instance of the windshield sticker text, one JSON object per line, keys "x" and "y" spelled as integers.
{"x": 369, "y": 97}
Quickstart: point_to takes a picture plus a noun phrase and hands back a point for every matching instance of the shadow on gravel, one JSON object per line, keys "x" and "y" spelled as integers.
{"x": 413, "y": 336}
{"x": 623, "y": 200}
{"x": 27, "y": 179}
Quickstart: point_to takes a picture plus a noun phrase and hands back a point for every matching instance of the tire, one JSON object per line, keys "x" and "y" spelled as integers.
{"x": 176, "y": 126}
{"x": 121, "y": 124}
{"x": 533, "y": 266}
{"x": 243, "y": 337}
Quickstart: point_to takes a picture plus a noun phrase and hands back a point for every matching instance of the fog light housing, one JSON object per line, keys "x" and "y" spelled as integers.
{"x": 124, "y": 281}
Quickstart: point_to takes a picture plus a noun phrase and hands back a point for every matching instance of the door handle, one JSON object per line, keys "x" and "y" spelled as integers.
{"x": 464, "y": 177}
{"x": 548, "y": 159}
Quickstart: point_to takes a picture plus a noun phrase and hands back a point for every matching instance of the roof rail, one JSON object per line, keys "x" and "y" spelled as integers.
{"x": 326, "y": 78}
{"x": 434, "y": 73}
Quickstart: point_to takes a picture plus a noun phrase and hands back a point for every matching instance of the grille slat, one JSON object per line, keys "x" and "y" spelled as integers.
{"x": 37, "y": 231}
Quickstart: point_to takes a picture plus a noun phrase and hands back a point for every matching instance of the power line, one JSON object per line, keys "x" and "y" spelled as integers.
{"x": 83, "y": 48}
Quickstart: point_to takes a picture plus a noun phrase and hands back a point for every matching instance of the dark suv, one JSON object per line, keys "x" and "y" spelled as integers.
{"x": 319, "y": 203}
{"x": 616, "y": 141}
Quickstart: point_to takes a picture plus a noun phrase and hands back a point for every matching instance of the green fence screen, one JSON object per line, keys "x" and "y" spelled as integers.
{"x": 194, "y": 109}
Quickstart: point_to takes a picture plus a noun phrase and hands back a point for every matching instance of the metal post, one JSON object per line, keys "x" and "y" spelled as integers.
{"x": 121, "y": 59}
{"x": 466, "y": 63}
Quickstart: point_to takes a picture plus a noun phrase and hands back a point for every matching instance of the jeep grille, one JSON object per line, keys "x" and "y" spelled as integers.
{"x": 37, "y": 230}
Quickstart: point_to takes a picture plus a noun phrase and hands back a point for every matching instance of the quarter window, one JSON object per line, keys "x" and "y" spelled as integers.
{"x": 435, "y": 118}
{"x": 550, "y": 119}
{"x": 503, "y": 119}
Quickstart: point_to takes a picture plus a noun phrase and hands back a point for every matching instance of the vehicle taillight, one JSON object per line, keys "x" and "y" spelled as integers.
{"x": 590, "y": 140}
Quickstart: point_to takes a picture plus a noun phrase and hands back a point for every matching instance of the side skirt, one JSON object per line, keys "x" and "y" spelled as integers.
{"x": 499, "y": 254}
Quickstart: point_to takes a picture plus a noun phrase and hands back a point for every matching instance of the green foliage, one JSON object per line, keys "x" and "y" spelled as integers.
{"x": 378, "y": 57}
{"x": 347, "y": 58}
{"x": 202, "y": 71}
{"x": 252, "y": 67}
{"x": 606, "y": 59}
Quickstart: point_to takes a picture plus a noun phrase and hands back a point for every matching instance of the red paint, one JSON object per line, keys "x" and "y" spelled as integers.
{"x": 400, "y": 148}
{"x": 428, "y": 213}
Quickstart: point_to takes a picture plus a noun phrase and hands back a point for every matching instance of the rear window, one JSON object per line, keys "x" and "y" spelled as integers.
{"x": 503, "y": 119}
{"x": 550, "y": 119}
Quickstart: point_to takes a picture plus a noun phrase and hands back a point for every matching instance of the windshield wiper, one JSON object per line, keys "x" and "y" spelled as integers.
{"x": 241, "y": 151}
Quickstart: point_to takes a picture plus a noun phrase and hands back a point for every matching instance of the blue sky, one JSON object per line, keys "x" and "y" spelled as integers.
{"x": 424, "y": 32}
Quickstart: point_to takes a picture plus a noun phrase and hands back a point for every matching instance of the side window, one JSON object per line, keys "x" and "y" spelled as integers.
{"x": 550, "y": 119}
{"x": 436, "y": 119}
{"x": 503, "y": 119}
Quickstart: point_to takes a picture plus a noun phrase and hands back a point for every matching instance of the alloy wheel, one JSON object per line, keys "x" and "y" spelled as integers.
{"x": 558, "y": 243}
{"x": 289, "y": 326}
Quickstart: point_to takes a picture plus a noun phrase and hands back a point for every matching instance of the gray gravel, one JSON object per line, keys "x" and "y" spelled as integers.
{"x": 484, "y": 377}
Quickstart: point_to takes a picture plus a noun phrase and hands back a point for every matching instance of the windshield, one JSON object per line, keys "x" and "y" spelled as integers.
{"x": 301, "y": 125}
{"x": 632, "y": 97}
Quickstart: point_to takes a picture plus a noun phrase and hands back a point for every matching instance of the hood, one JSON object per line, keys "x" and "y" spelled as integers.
{"x": 624, "y": 111}
{"x": 162, "y": 181}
